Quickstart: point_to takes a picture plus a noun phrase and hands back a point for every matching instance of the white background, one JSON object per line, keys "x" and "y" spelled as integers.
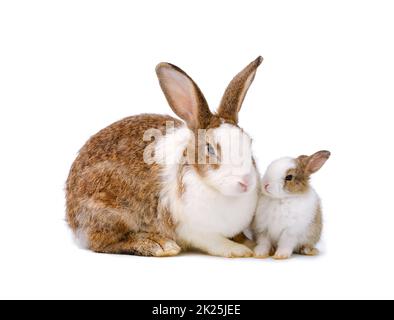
{"x": 70, "y": 68}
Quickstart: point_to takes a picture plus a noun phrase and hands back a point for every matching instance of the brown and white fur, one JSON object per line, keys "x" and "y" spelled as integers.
{"x": 289, "y": 217}
{"x": 117, "y": 202}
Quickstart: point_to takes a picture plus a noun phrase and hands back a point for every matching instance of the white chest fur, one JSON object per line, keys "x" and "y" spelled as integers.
{"x": 293, "y": 215}
{"x": 208, "y": 211}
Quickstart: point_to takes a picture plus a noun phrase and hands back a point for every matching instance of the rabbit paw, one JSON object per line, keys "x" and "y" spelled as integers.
{"x": 241, "y": 251}
{"x": 235, "y": 251}
{"x": 261, "y": 252}
{"x": 167, "y": 248}
{"x": 282, "y": 254}
{"x": 308, "y": 251}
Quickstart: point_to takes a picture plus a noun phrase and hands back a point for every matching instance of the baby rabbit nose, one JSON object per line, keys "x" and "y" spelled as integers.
{"x": 266, "y": 186}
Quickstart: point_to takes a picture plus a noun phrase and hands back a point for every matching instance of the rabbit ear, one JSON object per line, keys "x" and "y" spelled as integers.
{"x": 235, "y": 93}
{"x": 315, "y": 161}
{"x": 184, "y": 96}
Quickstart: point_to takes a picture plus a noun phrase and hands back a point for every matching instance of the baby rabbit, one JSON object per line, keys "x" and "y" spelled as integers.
{"x": 288, "y": 217}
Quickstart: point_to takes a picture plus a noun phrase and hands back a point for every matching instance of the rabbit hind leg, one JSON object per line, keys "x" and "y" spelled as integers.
{"x": 103, "y": 229}
{"x": 141, "y": 244}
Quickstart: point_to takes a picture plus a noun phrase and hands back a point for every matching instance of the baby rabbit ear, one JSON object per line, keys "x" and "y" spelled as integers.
{"x": 183, "y": 95}
{"x": 315, "y": 161}
{"x": 236, "y": 91}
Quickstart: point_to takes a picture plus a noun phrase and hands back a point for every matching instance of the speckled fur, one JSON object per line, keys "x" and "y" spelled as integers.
{"x": 112, "y": 194}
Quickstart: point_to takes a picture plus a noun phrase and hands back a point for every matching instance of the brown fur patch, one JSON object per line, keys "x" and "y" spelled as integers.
{"x": 315, "y": 230}
{"x": 299, "y": 183}
{"x": 181, "y": 184}
{"x": 240, "y": 238}
{"x": 235, "y": 92}
{"x": 201, "y": 161}
{"x": 305, "y": 166}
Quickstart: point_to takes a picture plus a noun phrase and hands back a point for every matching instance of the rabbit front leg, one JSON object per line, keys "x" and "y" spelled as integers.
{"x": 264, "y": 246}
{"x": 217, "y": 245}
{"x": 286, "y": 245}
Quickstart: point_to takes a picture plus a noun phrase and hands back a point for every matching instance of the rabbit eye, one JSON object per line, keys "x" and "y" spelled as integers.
{"x": 289, "y": 177}
{"x": 211, "y": 150}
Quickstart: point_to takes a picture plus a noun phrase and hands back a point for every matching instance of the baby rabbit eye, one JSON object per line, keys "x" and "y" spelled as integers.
{"x": 211, "y": 150}
{"x": 289, "y": 177}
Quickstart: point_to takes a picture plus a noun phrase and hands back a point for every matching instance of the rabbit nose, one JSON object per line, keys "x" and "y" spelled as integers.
{"x": 246, "y": 179}
{"x": 244, "y": 183}
{"x": 266, "y": 186}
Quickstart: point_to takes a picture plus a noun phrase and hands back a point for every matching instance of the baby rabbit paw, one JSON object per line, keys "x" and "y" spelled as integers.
{"x": 282, "y": 254}
{"x": 262, "y": 252}
{"x": 308, "y": 251}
